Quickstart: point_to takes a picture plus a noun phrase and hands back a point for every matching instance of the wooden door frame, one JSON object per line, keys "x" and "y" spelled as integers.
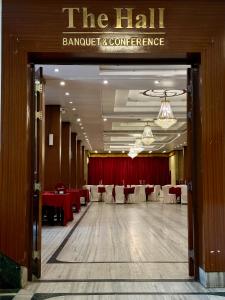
{"x": 192, "y": 59}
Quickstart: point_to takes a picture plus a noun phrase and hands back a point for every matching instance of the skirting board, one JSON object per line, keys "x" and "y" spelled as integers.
{"x": 212, "y": 279}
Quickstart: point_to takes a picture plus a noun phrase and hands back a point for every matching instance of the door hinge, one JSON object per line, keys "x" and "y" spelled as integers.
{"x": 37, "y": 186}
{"x": 189, "y": 115}
{"x": 189, "y": 186}
{"x": 39, "y": 115}
{"x": 38, "y": 86}
{"x": 190, "y": 89}
{"x": 191, "y": 253}
{"x": 36, "y": 255}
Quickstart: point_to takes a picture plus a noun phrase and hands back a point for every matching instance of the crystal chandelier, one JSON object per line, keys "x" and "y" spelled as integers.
{"x": 132, "y": 153}
{"x": 147, "y": 136}
{"x": 165, "y": 117}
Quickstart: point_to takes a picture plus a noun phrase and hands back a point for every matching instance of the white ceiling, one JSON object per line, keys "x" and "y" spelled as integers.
{"x": 120, "y": 101}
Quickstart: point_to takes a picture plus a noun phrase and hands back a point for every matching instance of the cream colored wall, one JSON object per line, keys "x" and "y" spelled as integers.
{"x": 173, "y": 169}
{"x": 176, "y": 165}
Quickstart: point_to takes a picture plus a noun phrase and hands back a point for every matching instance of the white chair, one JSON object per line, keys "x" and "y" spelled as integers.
{"x": 154, "y": 196}
{"x": 108, "y": 196}
{"x": 95, "y": 195}
{"x": 132, "y": 198}
{"x": 141, "y": 196}
{"x": 167, "y": 197}
{"x": 184, "y": 194}
{"x": 119, "y": 194}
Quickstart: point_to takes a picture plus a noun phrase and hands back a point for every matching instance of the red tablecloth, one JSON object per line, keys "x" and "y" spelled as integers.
{"x": 59, "y": 200}
{"x": 85, "y": 193}
{"x": 75, "y": 197}
{"x": 176, "y": 191}
{"x": 148, "y": 191}
{"x": 127, "y": 191}
{"x": 101, "y": 189}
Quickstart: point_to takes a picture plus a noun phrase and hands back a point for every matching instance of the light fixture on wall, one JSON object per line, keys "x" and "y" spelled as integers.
{"x": 50, "y": 139}
{"x": 147, "y": 136}
{"x": 165, "y": 117}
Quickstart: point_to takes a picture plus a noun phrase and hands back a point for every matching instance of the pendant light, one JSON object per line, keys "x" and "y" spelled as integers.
{"x": 165, "y": 117}
{"x": 147, "y": 136}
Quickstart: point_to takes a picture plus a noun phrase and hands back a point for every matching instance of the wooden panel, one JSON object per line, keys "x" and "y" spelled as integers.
{"x": 73, "y": 160}
{"x": 79, "y": 174}
{"x": 66, "y": 154}
{"x": 52, "y": 153}
{"x": 32, "y": 27}
{"x": 82, "y": 165}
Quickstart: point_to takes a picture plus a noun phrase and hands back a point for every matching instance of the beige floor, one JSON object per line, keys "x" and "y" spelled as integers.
{"x": 135, "y": 251}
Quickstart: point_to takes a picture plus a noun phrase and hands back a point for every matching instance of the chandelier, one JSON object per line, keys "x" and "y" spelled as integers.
{"x": 165, "y": 117}
{"x": 147, "y": 136}
{"x": 136, "y": 149}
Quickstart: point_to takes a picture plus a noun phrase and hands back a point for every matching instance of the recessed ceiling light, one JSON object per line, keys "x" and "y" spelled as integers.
{"x": 82, "y": 127}
{"x": 71, "y": 102}
{"x": 123, "y": 151}
{"x": 67, "y": 93}
{"x": 150, "y": 152}
{"x": 78, "y": 119}
{"x": 73, "y": 108}
{"x": 96, "y": 151}
{"x": 62, "y": 83}
{"x": 179, "y": 134}
{"x": 105, "y": 81}
{"x": 105, "y": 119}
{"x": 56, "y": 70}
{"x": 80, "y": 124}
{"x": 156, "y": 82}
{"x": 164, "y": 151}
{"x": 109, "y": 151}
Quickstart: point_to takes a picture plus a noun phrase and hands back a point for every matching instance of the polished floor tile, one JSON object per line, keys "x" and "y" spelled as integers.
{"x": 136, "y": 251}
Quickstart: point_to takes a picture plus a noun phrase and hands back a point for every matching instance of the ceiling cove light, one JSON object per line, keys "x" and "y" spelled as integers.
{"x": 147, "y": 136}
{"x": 62, "y": 83}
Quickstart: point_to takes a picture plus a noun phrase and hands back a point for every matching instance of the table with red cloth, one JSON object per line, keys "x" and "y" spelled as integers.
{"x": 85, "y": 193}
{"x": 176, "y": 191}
{"x": 62, "y": 201}
{"x": 75, "y": 198}
{"x": 148, "y": 191}
{"x": 127, "y": 191}
{"x": 76, "y": 194}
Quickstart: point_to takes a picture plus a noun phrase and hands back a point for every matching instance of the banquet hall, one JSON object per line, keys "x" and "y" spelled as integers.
{"x": 115, "y": 170}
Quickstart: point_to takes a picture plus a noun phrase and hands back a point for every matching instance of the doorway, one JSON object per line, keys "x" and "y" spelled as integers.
{"x": 189, "y": 137}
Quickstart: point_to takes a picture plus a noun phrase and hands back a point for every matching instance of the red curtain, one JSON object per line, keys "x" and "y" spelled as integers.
{"x": 124, "y": 170}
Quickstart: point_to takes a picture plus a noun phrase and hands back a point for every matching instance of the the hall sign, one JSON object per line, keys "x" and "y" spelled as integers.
{"x": 123, "y": 27}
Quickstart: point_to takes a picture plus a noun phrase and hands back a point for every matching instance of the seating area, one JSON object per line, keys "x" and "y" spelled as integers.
{"x": 58, "y": 205}
{"x": 120, "y": 194}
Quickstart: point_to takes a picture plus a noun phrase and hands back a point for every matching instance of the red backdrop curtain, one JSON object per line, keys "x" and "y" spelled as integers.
{"x": 124, "y": 170}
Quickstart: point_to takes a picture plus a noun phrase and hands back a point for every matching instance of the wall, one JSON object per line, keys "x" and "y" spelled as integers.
{"x": 191, "y": 27}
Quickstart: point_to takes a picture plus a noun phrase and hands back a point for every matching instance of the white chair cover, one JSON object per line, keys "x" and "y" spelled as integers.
{"x": 167, "y": 197}
{"x": 154, "y": 196}
{"x": 133, "y": 198}
{"x": 108, "y": 196}
{"x": 95, "y": 195}
{"x": 141, "y": 196}
{"x": 119, "y": 194}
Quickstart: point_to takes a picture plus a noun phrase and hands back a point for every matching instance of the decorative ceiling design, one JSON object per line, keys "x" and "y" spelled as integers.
{"x": 120, "y": 100}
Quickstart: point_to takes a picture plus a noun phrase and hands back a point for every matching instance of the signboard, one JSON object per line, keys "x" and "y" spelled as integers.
{"x": 122, "y": 27}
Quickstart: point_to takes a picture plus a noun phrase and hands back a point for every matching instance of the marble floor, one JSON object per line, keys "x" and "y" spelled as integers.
{"x": 109, "y": 251}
